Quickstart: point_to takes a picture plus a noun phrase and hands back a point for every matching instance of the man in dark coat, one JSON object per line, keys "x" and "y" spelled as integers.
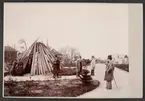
{"x": 56, "y": 67}
{"x": 19, "y": 68}
{"x": 78, "y": 66}
{"x": 109, "y": 72}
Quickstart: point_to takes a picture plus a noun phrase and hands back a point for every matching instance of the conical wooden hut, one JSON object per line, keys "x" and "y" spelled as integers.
{"x": 37, "y": 59}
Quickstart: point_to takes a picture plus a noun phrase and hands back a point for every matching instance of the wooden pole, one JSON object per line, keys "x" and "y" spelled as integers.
{"x": 33, "y": 61}
{"x": 42, "y": 59}
{"x": 45, "y": 60}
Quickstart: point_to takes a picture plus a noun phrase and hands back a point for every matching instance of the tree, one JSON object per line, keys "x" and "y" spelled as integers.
{"x": 69, "y": 54}
{"x": 22, "y": 41}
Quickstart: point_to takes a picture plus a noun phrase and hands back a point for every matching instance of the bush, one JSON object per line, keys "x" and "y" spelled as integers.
{"x": 86, "y": 62}
{"x": 70, "y": 63}
{"x": 124, "y": 67}
{"x": 98, "y": 61}
{"x": 69, "y": 71}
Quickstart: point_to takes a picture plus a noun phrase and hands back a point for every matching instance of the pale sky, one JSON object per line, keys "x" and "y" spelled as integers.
{"x": 94, "y": 28}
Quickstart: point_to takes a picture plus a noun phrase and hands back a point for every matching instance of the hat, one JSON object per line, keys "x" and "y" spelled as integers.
{"x": 110, "y": 57}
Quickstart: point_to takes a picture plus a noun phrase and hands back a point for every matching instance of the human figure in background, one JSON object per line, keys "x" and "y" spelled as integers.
{"x": 78, "y": 66}
{"x": 109, "y": 72}
{"x": 56, "y": 67}
{"x": 17, "y": 68}
{"x": 20, "y": 68}
{"x": 12, "y": 70}
{"x": 93, "y": 64}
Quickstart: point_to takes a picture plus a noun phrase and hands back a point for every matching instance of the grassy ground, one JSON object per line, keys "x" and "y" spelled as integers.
{"x": 52, "y": 88}
{"x": 124, "y": 67}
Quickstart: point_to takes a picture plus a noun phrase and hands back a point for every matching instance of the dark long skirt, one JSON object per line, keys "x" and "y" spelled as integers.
{"x": 108, "y": 77}
{"x": 109, "y": 85}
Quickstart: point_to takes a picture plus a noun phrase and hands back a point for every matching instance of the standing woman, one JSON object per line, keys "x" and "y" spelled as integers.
{"x": 109, "y": 73}
{"x": 93, "y": 64}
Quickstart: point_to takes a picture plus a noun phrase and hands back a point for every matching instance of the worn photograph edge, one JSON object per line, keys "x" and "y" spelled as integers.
{"x": 8, "y": 98}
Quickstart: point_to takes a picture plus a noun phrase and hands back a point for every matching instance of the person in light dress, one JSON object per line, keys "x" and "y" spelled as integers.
{"x": 93, "y": 65}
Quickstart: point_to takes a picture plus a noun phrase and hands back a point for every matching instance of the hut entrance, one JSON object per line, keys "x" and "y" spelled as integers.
{"x": 29, "y": 64}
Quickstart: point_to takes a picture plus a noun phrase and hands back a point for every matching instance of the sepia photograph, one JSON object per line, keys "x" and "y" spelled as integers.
{"x": 66, "y": 50}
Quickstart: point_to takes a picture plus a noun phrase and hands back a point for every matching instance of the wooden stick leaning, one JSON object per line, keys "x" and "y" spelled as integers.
{"x": 46, "y": 61}
{"x": 33, "y": 61}
{"x": 43, "y": 60}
